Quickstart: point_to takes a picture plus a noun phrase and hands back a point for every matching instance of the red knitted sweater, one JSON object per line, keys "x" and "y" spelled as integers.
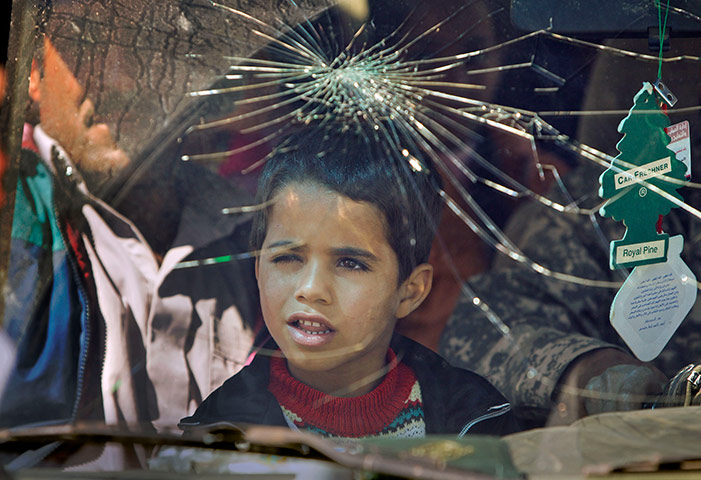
{"x": 393, "y": 408}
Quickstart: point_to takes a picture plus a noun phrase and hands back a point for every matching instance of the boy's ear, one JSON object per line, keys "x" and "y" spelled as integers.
{"x": 257, "y": 266}
{"x": 34, "y": 81}
{"x": 415, "y": 289}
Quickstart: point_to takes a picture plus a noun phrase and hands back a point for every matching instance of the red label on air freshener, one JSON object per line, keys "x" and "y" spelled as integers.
{"x": 681, "y": 143}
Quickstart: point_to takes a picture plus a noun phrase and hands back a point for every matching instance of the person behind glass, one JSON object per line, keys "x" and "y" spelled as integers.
{"x": 57, "y": 289}
{"x": 343, "y": 243}
{"x": 107, "y": 330}
{"x": 563, "y": 360}
{"x": 77, "y": 289}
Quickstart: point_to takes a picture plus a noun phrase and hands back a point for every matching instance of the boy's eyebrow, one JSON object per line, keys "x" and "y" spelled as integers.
{"x": 284, "y": 244}
{"x": 339, "y": 252}
{"x": 354, "y": 252}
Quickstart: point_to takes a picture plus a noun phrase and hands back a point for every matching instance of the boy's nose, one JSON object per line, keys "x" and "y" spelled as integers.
{"x": 313, "y": 285}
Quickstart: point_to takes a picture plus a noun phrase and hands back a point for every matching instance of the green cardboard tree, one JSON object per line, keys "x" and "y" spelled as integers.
{"x": 644, "y": 160}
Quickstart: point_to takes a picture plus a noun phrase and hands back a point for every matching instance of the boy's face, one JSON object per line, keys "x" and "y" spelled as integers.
{"x": 66, "y": 116}
{"x": 329, "y": 289}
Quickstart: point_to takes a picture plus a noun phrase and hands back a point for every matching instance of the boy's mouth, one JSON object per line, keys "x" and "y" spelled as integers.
{"x": 309, "y": 331}
{"x": 311, "y": 327}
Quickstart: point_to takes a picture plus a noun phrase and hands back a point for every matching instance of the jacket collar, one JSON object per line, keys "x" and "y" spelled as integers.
{"x": 244, "y": 398}
{"x": 453, "y": 398}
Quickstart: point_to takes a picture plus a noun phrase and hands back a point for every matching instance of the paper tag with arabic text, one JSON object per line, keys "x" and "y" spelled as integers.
{"x": 653, "y": 302}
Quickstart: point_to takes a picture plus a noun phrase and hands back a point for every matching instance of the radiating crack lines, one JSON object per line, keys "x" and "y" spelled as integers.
{"x": 305, "y": 76}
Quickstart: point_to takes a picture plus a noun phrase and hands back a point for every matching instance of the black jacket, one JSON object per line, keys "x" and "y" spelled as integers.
{"x": 454, "y": 400}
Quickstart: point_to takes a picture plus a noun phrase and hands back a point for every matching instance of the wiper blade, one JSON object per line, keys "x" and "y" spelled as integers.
{"x": 435, "y": 457}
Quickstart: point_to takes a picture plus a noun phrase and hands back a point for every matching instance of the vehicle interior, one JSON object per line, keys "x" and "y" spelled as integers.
{"x": 134, "y": 136}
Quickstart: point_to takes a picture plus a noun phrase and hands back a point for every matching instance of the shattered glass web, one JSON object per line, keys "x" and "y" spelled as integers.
{"x": 363, "y": 89}
{"x": 311, "y": 75}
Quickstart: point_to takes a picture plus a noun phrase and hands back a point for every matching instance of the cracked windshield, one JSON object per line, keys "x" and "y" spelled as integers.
{"x": 350, "y": 238}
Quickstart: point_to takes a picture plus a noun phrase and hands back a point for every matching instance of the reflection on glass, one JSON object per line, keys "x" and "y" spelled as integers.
{"x": 133, "y": 290}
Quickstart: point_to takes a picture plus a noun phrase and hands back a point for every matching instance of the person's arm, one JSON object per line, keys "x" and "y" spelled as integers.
{"x": 551, "y": 322}
{"x": 527, "y": 364}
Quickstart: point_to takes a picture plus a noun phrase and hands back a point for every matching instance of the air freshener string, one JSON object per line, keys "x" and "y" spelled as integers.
{"x": 662, "y": 30}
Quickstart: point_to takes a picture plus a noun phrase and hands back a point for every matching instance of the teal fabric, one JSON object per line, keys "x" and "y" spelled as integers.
{"x": 34, "y": 211}
{"x": 46, "y": 310}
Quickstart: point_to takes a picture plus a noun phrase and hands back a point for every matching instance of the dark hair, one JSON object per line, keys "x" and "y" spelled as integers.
{"x": 403, "y": 188}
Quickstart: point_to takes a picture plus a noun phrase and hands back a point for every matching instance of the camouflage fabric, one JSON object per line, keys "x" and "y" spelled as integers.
{"x": 552, "y": 322}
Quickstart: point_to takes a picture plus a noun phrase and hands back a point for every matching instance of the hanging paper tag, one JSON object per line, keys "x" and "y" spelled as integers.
{"x": 681, "y": 143}
{"x": 653, "y": 302}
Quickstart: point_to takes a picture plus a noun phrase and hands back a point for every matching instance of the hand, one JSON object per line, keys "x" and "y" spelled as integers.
{"x": 68, "y": 117}
{"x": 622, "y": 388}
{"x": 576, "y": 397}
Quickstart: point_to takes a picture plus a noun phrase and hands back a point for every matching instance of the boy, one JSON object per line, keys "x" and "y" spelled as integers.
{"x": 343, "y": 240}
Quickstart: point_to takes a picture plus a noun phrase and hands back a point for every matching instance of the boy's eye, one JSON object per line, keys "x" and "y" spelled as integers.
{"x": 285, "y": 258}
{"x": 352, "y": 264}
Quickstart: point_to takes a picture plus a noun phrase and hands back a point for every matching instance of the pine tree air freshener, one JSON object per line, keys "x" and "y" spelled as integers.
{"x": 639, "y": 187}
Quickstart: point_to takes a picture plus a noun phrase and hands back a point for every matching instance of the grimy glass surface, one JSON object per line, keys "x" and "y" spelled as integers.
{"x": 166, "y": 112}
